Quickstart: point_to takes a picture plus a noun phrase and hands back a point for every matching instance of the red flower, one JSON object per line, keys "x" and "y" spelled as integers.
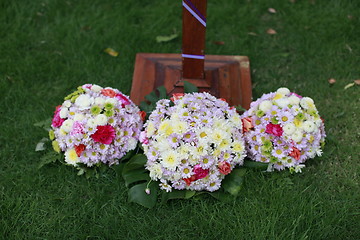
{"x": 274, "y": 129}
{"x": 57, "y": 121}
{"x": 79, "y": 149}
{"x": 123, "y": 99}
{"x": 104, "y": 134}
{"x": 224, "y": 168}
{"x": 247, "y": 124}
{"x": 200, "y": 172}
{"x": 223, "y": 99}
{"x": 108, "y": 92}
{"x": 176, "y": 96}
{"x": 295, "y": 153}
{"x": 142, "y": 114}
{"x": 189, "y": 180}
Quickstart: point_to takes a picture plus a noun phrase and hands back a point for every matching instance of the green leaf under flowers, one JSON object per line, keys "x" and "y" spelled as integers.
{"x": 255, "y": 165}
{"x": 177, "y": 194}
{"x": 49, "y": 157}
{"x": 189, "y": 87}
{"x": 136, "y": 162}
{"x": 134, "y": 176}
{"x": 221, "y": 196}
{"x": 138, "y": 195}
{"x": 134, "y": 170}
{"x": 128, "y": 155}
{"x": 118, "y": 169}
{"x": 234, "y": 182}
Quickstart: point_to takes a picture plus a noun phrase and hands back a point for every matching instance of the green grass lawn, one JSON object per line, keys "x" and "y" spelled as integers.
{"x": 48, "y": 48}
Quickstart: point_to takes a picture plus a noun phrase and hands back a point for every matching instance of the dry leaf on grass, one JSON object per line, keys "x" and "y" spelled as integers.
{"x": 349, "y": 86}
{"x": 252, "y": 33}
{"x": 332, "y": 80}
{"x": 111, "y": 52}
{"x": 348, "y": 48}
{"x": 219, "y": 42}
{"x": 271, "y": 31}
{"x": 168, "y": 38}
{"x": 357, "y": 82}
{"x": 271, "y": 10}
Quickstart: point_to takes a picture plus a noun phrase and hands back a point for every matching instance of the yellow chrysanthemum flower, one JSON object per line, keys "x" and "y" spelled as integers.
{"x": 71, "y": 157}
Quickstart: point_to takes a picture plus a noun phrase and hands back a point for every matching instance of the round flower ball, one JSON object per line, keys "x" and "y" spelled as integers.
{"x": 192, "y": 141}
{"x": 95, "y": 125}
{"x": 283, "y": 129}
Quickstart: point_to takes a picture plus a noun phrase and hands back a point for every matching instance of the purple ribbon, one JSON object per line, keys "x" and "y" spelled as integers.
{"x": 194, "y": 11}
{"x": 193, "y": 56}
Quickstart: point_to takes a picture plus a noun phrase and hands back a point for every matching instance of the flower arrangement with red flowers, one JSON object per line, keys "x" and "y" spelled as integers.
{"x": 95, "y": 126}
{"x": 283, "y": 129}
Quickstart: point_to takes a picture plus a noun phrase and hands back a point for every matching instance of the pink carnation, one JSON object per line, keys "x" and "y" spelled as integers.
{"x": 57, "y": 121}
{"x": 124, "y": 100}
{"x": 200, "y": 172}
{"x": 104, "y": 134}
{"x": 78, "y": 128}
{"x": 143, "y": 138}
{"x": 274, "y": 129}
{"x": 88, "y": 86}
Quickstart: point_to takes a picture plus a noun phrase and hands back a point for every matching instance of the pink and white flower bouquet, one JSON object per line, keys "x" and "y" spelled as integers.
{"x": 192, "y": 141}
{"x": 95, "y": 125}
{"x": 283, "y": 129}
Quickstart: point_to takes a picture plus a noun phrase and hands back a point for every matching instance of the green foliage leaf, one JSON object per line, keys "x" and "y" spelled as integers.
{"x": 136, "y": 162}
{"x": 135, "y": 176}
{"x": 138, "y": 195}
{"x": 189, "y": 87}
{"x": 45, "y": 124}
{"x": 177, "y": 194}
{"x": 128, "y": 155}
{"x": 152, "y": 98}
{"x": 49, "y": 157}
{"x": 162, "y": 92}
{"x": 134, "y": 170}
{"x": 240, "y": 109}
{"x": 168, "y": 38}
{"x": 256, "y": 165}
{"x": 234, "y": 182}
{"x": 221, "y": 196}
{"x": 118, "y": 168}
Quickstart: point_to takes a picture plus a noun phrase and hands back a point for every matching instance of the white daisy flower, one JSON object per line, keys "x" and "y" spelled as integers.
{"x": 67, "y": 125}
{"x": 284, "y": 91}
{"x": 265, "y": 106}
{"x": 297, "y": 136}
{"x": 101, "y": 119}
{"x": 308, "y": 126}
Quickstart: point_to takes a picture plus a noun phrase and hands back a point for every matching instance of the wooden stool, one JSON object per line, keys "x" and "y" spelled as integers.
{"x": 225, "y": 77}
